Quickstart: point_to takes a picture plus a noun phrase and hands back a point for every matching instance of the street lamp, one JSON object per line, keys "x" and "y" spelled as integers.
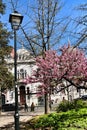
{"x": 15, "y": 19}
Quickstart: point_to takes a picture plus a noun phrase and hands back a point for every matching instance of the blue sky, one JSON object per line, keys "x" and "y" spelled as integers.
{"x": 68, "y": 9}
{"x": 70, "y": 5}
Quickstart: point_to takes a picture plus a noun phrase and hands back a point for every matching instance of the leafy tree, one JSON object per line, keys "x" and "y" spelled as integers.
{"x": 5, "y": 76}
{"x": 2, "y": 7}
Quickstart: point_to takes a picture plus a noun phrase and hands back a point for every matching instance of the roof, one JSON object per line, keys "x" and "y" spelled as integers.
{"x": 23, "y": 51}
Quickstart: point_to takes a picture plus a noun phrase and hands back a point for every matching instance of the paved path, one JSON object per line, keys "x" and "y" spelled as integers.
{"x": 8, "y": 117}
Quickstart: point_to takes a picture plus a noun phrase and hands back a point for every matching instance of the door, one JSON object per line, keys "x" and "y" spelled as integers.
{"x": 22, "y": 95}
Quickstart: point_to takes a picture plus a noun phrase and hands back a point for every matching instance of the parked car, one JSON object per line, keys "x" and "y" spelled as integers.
{"x": 10, "y": 107}
{"x": 84, "y": 97}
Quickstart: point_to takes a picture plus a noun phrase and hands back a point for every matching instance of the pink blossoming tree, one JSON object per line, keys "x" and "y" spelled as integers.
{"x": 70, "y": 65}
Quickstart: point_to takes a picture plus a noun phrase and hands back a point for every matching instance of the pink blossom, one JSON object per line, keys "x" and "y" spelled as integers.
{"x": 71, "y": 64}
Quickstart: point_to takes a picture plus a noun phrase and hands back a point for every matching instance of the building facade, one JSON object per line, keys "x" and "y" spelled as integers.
{"x": 25, "y": 65}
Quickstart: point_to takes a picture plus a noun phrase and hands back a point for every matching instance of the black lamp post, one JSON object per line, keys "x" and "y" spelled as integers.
{"x": 15, "y": 19}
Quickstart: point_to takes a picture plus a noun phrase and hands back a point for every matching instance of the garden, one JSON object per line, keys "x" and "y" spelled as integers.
{"x": 68, "y": 116}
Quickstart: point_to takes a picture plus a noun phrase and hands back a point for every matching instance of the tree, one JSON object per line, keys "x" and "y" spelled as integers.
{"x": 5, "y": 76}
{"x": 2, "y": 7}
{"x": 82, "y": 24}
{"x": 79, "y": 29}
{"x": 47, "y": 27}
{"x": 46, "y": 72}
{"x": 70, "y": 65}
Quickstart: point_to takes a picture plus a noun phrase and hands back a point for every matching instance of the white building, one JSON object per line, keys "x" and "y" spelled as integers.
{"x": 28, "y": 92}
{"x": 25, "y": 65}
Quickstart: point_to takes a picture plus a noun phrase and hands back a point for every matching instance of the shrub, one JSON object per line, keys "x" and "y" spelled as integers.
{"x": 70, "y": 120}
{"x": 63, "y": 106}
{"x": 75, "y": 104}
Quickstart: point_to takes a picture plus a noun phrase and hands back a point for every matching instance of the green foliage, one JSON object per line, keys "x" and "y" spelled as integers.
{"x": 2, "y": 7}
{"x": 74, "y": 118}
{"x": 63, "y": 106}
{"x": 70, "y": 120}
{"x": 6, "y": 78}
{"x": 75, "y": 104}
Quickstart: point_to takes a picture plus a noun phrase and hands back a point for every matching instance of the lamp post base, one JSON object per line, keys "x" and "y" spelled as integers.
{"x": 16, "y": 118}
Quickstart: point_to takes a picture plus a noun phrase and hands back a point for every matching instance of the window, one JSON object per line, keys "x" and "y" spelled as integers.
{"x": 25, "y": 73}
{"x": 18, "y": 74}
{"x": 23, "y": 57}
{"x": 28, "y": 92}
{"x": 19, "y": 57}
{"x": 22, "y": 74}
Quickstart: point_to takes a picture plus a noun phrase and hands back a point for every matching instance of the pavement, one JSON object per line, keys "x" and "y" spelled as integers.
{"x": 8, "y": 117}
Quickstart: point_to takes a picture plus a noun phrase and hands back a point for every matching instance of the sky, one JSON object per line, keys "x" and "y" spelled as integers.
{"x": 68, "y": 9}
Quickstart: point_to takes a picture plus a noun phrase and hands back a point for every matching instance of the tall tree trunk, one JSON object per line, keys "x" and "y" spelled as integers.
{"x": 46, "y": 103}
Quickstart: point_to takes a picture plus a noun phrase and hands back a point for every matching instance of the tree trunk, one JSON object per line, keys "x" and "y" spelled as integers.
{"x": 46, "y": 103}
